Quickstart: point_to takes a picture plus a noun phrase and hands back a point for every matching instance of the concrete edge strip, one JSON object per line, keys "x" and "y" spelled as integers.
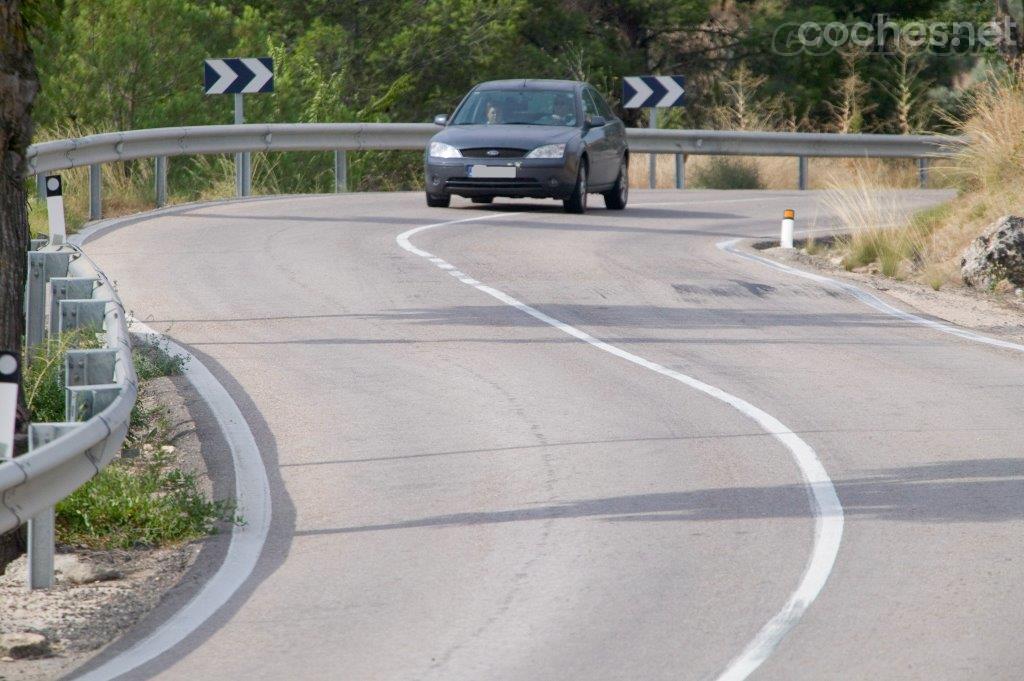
{"x": 869, "y": 299}
{"x": 252, "y": 497}
{"x": 828, "y": 512}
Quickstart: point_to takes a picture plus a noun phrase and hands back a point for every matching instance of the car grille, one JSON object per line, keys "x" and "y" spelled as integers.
{"x": 493, "y": 183}
{"x": 482, "y": 152}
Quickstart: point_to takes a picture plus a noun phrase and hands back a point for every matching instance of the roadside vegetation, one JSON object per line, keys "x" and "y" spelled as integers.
{"x": 144, "y": 498}
{"x": 988, "y": 173}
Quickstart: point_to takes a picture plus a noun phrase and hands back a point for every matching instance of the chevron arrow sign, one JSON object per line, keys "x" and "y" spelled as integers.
{"x": 238, "y": 76}
{"x": 640, "y": 92}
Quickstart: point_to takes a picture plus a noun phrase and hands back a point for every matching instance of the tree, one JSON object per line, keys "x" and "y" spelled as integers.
{"x": 19, "y": 84}
{"x": 1011, "y": 48}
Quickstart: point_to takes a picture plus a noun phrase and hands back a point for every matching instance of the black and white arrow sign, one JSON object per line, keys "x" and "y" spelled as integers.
{"x": 652, "y": 91}
{"x": 238, "y": 76}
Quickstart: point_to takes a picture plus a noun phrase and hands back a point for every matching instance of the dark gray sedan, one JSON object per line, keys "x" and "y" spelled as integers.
{"x": 530, "y": 138}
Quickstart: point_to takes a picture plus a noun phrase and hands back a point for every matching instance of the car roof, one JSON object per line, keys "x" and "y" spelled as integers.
{"x": 530, "y": 84}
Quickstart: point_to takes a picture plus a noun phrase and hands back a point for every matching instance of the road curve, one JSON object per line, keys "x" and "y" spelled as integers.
{"x": 462, "y": 490}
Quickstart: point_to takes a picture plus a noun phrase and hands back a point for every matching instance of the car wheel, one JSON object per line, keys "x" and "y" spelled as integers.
{"x": 577, "y": 201}
{"x": 442, "y": 201}
{"x": 482, "y": 199}
{"x": 616, "y": 197}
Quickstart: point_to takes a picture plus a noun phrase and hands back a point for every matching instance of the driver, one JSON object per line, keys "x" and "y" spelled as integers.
{"x": 493, "y": 113}
{"x": 563, "y": 111}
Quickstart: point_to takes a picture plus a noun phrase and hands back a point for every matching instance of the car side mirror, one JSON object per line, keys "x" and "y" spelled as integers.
{"x": 441, "y": 119}
{"x": 596, "y": 121}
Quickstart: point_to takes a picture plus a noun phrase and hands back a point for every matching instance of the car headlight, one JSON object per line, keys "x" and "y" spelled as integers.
{"x": 442, "y": 150}
{"x": 548, "y": 151}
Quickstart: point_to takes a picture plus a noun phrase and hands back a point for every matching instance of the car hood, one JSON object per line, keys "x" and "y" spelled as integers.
{"x": 511, "y": 136}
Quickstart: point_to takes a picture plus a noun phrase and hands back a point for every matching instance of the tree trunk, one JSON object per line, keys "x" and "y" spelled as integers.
{"x": 19, "y": 84}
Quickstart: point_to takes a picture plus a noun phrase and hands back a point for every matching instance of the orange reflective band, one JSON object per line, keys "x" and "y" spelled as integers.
{"x": 788, "y": 214}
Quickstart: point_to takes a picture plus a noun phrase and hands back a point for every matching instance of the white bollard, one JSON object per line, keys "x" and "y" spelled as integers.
{"x": 9, "y": 373}
{"x": 55, "y": 209}
{"x": 786, "y": 239}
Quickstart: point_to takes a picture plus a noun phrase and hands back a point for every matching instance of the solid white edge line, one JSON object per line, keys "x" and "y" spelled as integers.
{"x": 828, "y": 512}
{"x": 252, "y": 497}
{"x": 869, "y": 299}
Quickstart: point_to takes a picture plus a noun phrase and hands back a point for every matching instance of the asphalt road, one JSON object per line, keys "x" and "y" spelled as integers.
{"x": 463, "y": 491}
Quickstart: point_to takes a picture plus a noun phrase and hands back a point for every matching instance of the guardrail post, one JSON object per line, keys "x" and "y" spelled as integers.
{"x": 802, "y": 173}
{"x": 922, "y": 172}
{"x": 41, "y": 526}
{"x": 89, "y": 367}
{"x": 76, "y": 314}
{"x": 680, "y": 171}
{"x": 82, "y": 402}
{"x": 42, "y": 266}
{"x": 160, "y": 180}
{"x": 95, "y": 192}
{"x": 41, "y": 186}
{"x": 340, "y": 171}
{"x": 67, "y": 288}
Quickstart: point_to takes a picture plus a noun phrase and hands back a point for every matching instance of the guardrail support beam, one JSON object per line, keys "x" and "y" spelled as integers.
{"x": 95, "y": 191}
{"x": 41, "y": 526}
{"x": 340, "y": 171}
{"x": 67, "y": 288}
{"x": 42, "y": 266}
{"x": 82, "y": 402}
{"x": 922, "y": 172}
{"x": 802, "y": 172}
{"x": 160, "y": 180}
{"x": 89, "y": 367}
{"x": 75, "y": 314}
{"x": 680, "y": 171}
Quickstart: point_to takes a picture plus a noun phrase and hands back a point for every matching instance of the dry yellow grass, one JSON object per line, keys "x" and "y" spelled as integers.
{"x": 989, "y": 172}
{"x": 780, "y": 173}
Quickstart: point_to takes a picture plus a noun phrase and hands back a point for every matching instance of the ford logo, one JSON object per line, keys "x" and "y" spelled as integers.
{"x": 493, "y": 152}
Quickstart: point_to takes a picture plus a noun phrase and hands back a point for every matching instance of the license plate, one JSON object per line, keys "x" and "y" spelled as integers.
{"x": 492, "y": 171}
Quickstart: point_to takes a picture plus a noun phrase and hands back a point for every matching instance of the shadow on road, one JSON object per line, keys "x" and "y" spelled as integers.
{"x": 968, "y": 491}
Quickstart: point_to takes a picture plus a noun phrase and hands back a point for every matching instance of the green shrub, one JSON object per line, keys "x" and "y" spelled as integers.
{"x": 43, "y": 379}
{"x": 727, "y": 173}
{"x": 131, "y": 503}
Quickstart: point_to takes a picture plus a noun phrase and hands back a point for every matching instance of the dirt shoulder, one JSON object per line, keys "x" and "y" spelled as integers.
{"x": 100, "y": 594}
{"x": 996, "y": 314}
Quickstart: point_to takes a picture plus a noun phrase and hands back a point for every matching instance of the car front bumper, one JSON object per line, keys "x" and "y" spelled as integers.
{"x": 535, "y": 177}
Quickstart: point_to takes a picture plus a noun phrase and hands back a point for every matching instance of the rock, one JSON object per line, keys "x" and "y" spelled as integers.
{"x": 77, "y": 571}
{"x": 24, "y": 645}
{"x": 996, "y": 255}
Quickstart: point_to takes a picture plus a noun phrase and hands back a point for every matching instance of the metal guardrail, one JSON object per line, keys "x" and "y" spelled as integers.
{"x": 66, "y": 290}
{"x": 160, "y": 143}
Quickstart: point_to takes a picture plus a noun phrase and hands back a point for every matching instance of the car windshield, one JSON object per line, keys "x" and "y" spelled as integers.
{"x": 517, "y": 107}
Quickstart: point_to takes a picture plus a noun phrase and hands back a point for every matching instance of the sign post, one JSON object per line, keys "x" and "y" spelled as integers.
{"x": 238, "y": 77}
{"x": 55, "y": 209}
{"x": 654, "y": 92}
{"x": 10, "y": 379}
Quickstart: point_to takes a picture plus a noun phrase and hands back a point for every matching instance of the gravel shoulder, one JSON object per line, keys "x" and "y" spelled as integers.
{"x": 997, "y": 314}
{"x": 100, "y": 595}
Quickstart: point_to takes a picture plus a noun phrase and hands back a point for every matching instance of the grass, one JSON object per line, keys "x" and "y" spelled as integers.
{"x": 143, "y": 498}
{"x": 988, "y": 172}
{"x": 777, "y": 172}
{"x": 723, "y": 172}
{"x": 43, "y": 377}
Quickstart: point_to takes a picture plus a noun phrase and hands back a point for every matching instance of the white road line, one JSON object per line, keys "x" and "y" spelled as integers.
{"x": 252, "y": 496}
{"x": 828, "y": 512}
{"x": 869, "y": 299}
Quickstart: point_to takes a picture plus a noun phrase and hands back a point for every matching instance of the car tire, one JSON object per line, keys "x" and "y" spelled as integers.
{"x": 577, "y": 201}
{"x": 482, "y": 199}
{"x": 438, "y": 201}
{"x": 616, "y": 197}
